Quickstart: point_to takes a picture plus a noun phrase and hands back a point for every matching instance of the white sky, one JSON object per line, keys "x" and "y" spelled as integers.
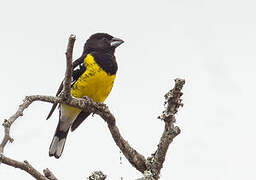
{"x": 209, "y": 43}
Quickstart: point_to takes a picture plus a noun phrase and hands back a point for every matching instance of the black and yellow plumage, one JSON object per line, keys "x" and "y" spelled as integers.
{"x": 93, "y": 76}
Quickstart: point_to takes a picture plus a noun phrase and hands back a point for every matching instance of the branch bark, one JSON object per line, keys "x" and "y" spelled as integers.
{"x": 23, "y": 166}
{"x": 68, "y": 74}
{"x": 173, "y": 102}
{"x": 49, "y": 174}
{"x": 7, "y": 124}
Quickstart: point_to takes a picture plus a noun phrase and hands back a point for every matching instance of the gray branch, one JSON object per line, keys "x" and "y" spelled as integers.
{"x": 173, "y": 102}
{"x": 68, "y": 74}
{"x": 23, "y": 166}
{"x": 49, "y": 174}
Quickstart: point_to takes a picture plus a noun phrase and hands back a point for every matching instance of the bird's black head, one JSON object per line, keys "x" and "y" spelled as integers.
{"x": 102, "y": 42}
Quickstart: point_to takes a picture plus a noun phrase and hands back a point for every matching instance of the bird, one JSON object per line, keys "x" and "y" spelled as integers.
{"x": 93, "y": 75}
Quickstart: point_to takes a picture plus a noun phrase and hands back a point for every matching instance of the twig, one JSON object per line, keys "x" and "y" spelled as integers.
{"x": 49, "y": 174}
{"x": 68, "y": 74}
{"x": 23, "y": 166}
{"x": 7, "y": 124}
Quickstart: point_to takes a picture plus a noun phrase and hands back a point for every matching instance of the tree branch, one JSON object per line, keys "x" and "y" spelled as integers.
{"x": 136, "y": 159}
{"x": 49, "y": 174}
{"x": 7, "y": 124}
{"x": 23, "y": 166}
{"x": 68, "y": 74}
{"x": 173, "y": 102}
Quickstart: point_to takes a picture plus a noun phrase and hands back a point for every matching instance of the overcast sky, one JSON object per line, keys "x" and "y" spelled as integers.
{"x": 209, "y": 43}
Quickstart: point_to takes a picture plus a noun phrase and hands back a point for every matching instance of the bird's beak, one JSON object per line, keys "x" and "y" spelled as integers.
{"x": 115, "y": 42}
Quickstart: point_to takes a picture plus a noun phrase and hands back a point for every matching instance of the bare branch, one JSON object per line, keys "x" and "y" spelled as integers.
{"x": 49, "y": 174}
{"x": 136, "y": 159}
{"x": 68, "y": 74}
{"x": 23, "y": 166}
{"x": 7, "y": 124}
{"x": 173, "y": 102}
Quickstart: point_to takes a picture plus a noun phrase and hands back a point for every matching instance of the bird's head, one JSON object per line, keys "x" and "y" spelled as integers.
{"x": 102, "y": 42}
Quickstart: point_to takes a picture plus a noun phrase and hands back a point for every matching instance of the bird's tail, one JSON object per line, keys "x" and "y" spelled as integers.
{"x": 58, "y": 142}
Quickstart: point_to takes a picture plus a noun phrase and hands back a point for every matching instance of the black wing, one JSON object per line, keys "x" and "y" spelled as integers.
{"x": 78, "y": 70}
{"x": 79, "y": 119}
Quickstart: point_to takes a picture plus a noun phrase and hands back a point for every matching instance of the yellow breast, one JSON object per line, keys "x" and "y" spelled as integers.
{"x": 94, "y": 82}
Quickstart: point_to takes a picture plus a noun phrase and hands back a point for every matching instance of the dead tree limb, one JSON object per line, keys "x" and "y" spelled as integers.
{"x": 68, "y": 74}
{"x": 173, "y": 102}
{"x": 23, "y": 166}
{"x": 49, "y": 174}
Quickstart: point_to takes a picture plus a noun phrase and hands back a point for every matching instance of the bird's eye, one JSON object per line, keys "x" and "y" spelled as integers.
{"x": 105, "y": 39}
